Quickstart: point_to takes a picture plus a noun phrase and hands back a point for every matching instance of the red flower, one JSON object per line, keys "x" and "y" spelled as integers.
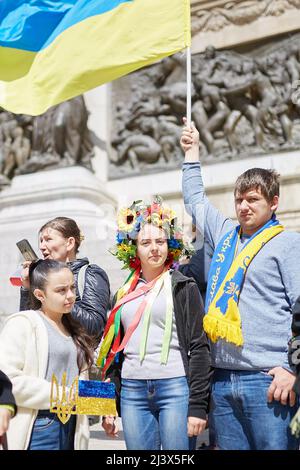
{"x": 129, "y": 219}
{"x": 155, "y": 207}
{"x": 134, "y": 263}
{"x": 170, "y": 258}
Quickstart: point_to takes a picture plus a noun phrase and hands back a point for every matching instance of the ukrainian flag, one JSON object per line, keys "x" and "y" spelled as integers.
{"x": 96, "y": 398}
{"x": 53, "y": 50}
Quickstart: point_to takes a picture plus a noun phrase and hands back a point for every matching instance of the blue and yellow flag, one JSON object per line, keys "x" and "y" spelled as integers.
{"x": 96, "y": 398}
{"x": 53, "y": 50}
{"x": 83, "y": 397}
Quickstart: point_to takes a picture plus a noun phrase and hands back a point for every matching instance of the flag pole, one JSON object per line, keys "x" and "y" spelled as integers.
{"x": 188, "y": 86}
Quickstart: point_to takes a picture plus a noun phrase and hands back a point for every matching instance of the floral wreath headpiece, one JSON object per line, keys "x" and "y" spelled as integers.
{"x": 132, "y": 219}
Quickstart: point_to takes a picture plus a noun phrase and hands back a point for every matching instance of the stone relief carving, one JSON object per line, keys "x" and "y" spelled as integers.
{"x": 58, "y": 138}
{"x": 242, "y": 105}
{"x": 145, "y": 130}
{"x": 236, "y": 13}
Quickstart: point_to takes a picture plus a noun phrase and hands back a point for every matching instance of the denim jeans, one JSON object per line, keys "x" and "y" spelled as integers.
{"x": 154, "y": 414}
{"x": 48, "y": 433}
{"x": 241, "y": 416}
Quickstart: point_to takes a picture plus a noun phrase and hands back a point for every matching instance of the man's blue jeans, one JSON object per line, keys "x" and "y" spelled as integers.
{"x": 154, "y": 414}
{"x": 241, "y": 416}
{"x": 48, "y": 433}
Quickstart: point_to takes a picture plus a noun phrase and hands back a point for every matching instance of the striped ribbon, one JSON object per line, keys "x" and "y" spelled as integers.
{"x": 112, "y": 330}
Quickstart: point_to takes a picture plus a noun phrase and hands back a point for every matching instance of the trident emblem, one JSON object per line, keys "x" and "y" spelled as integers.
{"x": 63, "y": 406}
{"x": 84, "y": 397}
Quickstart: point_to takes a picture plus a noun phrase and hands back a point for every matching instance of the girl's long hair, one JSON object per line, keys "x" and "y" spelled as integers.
{"x": 38, "y": 277}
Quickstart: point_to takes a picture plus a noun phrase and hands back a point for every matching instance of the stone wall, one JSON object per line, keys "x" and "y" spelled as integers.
{"x": 227, "y": 24}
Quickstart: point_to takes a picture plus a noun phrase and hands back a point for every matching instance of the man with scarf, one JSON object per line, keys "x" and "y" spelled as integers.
{"x": 253, "y": 283}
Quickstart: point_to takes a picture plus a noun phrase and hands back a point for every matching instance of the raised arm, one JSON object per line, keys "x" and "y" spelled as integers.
{"x": 209, "y": 221}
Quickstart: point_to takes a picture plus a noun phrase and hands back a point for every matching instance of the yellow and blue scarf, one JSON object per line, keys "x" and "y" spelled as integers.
{"x": 225, "y": 281}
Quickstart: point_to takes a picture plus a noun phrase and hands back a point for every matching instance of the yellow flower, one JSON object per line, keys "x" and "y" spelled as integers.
{"x": 169, "y": 214}
{"x": 124, "y": 247}
{"x": 176, "y": 253}
{"x": 156, "y": 219}
{"x": 126, "y": 220}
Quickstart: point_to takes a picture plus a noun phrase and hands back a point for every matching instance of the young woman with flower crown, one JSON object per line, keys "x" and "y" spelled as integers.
{"x": 154, "y": 348}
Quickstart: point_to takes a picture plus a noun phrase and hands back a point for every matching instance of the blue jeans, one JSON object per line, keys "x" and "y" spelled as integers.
{"x": 154, "y": 414}
{"x": 241, "y": 416}
{"x": 48, "y": 433}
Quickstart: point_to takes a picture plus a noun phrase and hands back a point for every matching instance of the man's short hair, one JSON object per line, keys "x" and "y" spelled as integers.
{"x": 259, "y": 178}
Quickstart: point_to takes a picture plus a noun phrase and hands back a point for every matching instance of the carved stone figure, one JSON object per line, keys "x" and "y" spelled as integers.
{"x": 71, "y": 136}
{"x": 138, "y": 148}
{"x": 14, "y": 146}
{"x": 20, "y": 151}
{"x": 57, "y": 138}
{"x": 175, "y": 97}
{"x": 208, "y": 124}
{"x": 293, "y": 63}
{"x": 169, "y": 133}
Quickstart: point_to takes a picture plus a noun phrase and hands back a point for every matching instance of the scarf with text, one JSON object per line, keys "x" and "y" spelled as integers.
{"x": 225, "y": 281}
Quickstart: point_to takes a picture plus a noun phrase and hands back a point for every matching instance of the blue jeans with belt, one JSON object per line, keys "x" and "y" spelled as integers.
{"x": 242, "y": 418}
{"x": 48, "y": 433}
{"x": 154, "y": 414}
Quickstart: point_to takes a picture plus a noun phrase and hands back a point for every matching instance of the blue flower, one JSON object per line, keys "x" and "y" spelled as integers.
{"x": 172, "y": 243}
{"x": 120, "y": 237}
{"x": 133, "y": 234}
{"x": 137, "y": 227}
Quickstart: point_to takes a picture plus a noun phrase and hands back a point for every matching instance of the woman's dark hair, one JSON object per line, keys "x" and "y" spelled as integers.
{"x": 38, "y": 277}
{"x": 67, "y": 227}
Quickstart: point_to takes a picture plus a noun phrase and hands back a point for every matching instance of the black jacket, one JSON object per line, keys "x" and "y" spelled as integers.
{"x": 6, "y": 396}
{"x": 91, "y": 310}
{"x": 195, "y": 268}
{"x": 296, "y": 318}
{"x": 296, "y": 332}
{"x": 193, "y": 344}
{"x": 198, "y": 267}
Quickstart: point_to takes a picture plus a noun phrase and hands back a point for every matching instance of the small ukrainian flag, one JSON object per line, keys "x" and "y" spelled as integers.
{"x": 96, "y": 398}
{"x": 84, "y": 397}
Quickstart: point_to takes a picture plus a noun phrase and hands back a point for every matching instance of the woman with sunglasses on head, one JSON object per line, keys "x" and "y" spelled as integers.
{"x": 34, "y": 345}
{"x": 154, "y": 348}
{"x": 60, "y": 239}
